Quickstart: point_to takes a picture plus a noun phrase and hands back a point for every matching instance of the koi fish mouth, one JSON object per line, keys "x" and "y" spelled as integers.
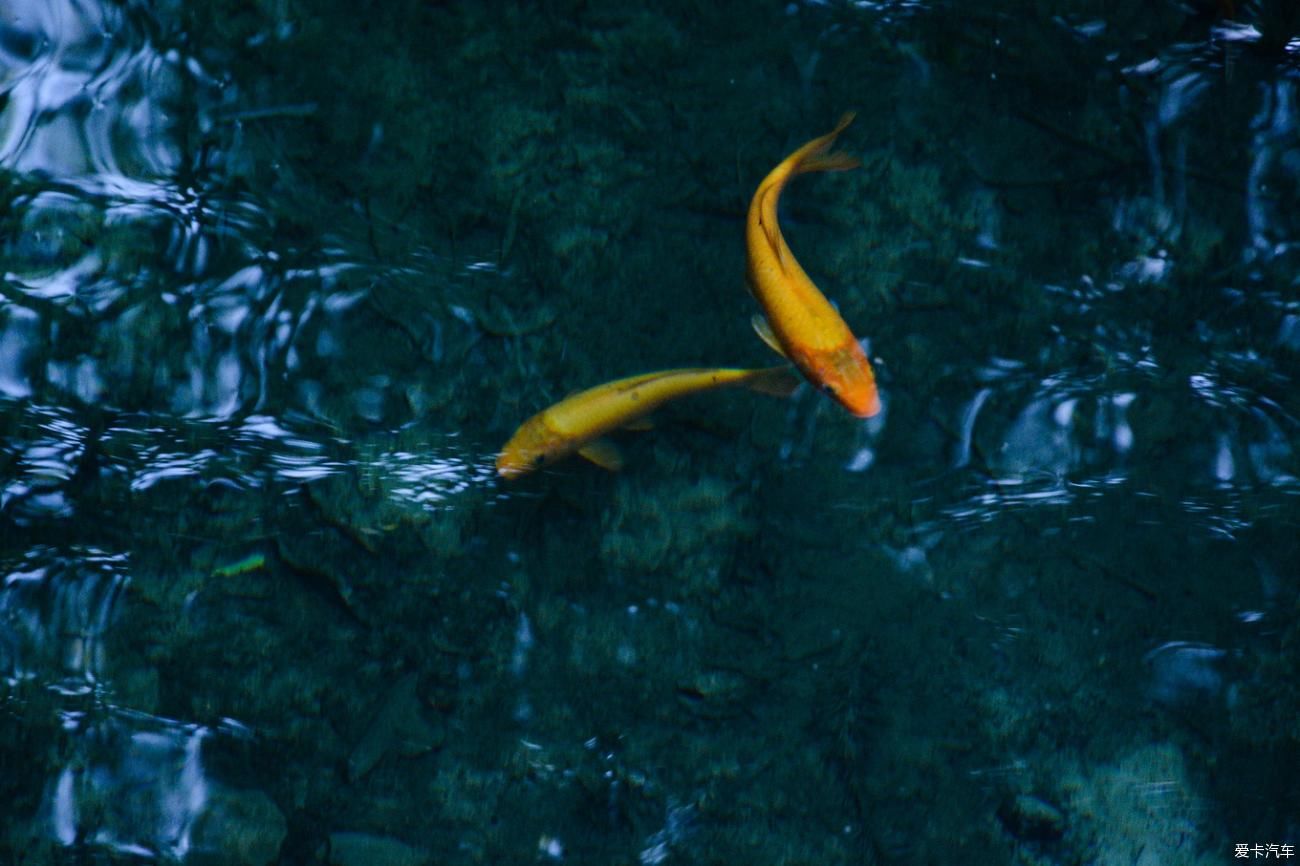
{"x": 863, "y": 405}
{"x": 861, "y": 402}
{"x": 511, "y": 466}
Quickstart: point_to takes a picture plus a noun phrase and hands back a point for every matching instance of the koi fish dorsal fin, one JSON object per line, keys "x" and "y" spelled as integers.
{"x": 764, "y": 331}
{"x": 603, "y": 453}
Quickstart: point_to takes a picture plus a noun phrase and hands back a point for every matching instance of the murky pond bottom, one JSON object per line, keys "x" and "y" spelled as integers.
{"x": 277, "y": 286}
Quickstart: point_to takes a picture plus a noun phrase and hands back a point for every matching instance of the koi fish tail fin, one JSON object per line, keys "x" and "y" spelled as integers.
{"x": 816, "y": 158}
{"x": 777, "y": 381}
{"x": 828, "y": 162}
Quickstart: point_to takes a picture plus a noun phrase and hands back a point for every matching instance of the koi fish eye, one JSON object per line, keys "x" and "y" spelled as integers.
{"x": 828, "y": 388}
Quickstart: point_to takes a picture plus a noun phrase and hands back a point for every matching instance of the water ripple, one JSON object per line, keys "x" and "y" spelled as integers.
{"x": 140, "y": 453}
{"x": 133, "y": 783}
{"x": 55, "y": 611}
{"x": 85, "y": 98}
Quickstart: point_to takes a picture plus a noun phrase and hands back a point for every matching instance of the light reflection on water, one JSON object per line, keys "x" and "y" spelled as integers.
{"x": 252, "y": 454}
{"x": 134, "y": 784}
{"x": 1059, "y": 448}
{"x": 57, "y": 608}
{"x": 172, "y": 342}
{"x": 86, "y": 103}
{"x": 92, "y": 113}
{"x": 130, "y": 782}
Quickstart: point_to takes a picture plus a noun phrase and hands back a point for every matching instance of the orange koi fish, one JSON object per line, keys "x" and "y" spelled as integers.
{"x": 576, "y": 423}
{"x": 798, "y": 321}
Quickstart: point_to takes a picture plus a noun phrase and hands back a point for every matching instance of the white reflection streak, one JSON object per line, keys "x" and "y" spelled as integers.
{"x": 63, "y": 284}
{"x": 239, "y": 282}
{"x": 429, "y": 480}
{"x": 54, "y": 614}
{"x": 63, "y": 814}
{"x": 49, "y": 130}
{"x": 185, "y": 802}
{"x": 265, "y": 427}
{"x": 1273, "y": 124}
{"x": 326, "y": 274}
{"x": 173, "y": 465}
{"x": 1225, "y": 467}
{"x": 968, "y": 427}
{"x": 1236, "y": 31}
{"x": 1122, "y": 434}
{"x": 1206, "y": 388}
{"x": 1179, "y": 94}
{"x": 149, "y": 768}
{"x": 20, "y": 335}
{"x": 289, "y": 467}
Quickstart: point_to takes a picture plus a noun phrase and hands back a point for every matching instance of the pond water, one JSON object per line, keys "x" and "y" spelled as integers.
{"x": 279, "y": 279}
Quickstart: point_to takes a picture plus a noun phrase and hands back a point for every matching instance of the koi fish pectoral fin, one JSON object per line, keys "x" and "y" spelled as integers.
{"x": 764, "y": 331}
{"x": 603, "y": 453}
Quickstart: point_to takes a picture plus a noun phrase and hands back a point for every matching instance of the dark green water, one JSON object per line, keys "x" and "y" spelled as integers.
{"x": 280, "y": 278}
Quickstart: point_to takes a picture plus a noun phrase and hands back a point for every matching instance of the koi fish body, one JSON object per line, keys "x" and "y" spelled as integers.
{"x": 800, "y": 323}
{"x": 577, "y": 423}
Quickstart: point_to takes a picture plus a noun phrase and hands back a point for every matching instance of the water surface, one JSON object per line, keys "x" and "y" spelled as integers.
{"x": 278, "y": 282}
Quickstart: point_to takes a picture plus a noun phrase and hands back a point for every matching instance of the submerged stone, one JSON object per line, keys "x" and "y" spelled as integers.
{"x": 1032, "y": 819}
{"x": 242, "y": 828}
{"x": 397, "y": 727}
{"x": 364, "y": 849}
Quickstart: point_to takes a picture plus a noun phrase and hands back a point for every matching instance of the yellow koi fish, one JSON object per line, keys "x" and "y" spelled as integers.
{"x": 576, "y": 423}
{"x": 800, "y": 323}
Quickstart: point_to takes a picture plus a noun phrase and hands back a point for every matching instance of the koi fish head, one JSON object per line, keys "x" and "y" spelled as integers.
{"x": 533, "y": 446}
{"x": 845, "y": 374}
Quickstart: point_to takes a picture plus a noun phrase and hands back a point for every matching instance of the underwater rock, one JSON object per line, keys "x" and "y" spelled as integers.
{"x": 320, "y": 566}
{"x": 500, "y": 320}
{"x": 1181, "y": 670}
{"x": 397, "y": 727}
{"x": 714, "y": 693}
{"x": 364, "y": 849}
{"x": 675, "y": 525}
{"x": 1143, "y": 808}
{"x": 244, "y": 828}
{"x": 1031, "y": 819}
